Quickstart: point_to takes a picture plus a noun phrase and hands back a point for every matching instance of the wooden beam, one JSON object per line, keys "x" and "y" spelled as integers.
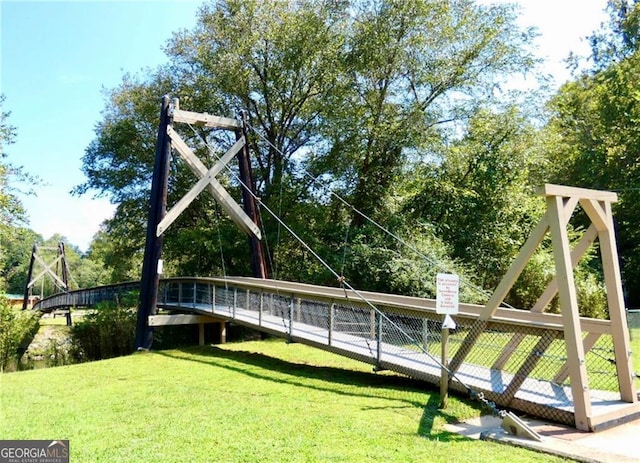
{"x": 192, "y": 160}
{"x": 617, "y": 313}
{"x": 567, "y": 191}
{"x": 203, "y": 183}
{"x": 596, "y": 213}
{"x": 570, "y": 313}
{"x": 47, "y": 269}
{"x": 206, "y": 120}
{"x": 180, "y": 319}
{"x": 225, "y": 200}
{"x": 588, "y": 342}
{"x": 528, "y": 365}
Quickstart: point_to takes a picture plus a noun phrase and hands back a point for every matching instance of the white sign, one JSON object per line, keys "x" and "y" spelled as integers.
{"x": 448, "y": 323}
{"x": 447, "y": 293}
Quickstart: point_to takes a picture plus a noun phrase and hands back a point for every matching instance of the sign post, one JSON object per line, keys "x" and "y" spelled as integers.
{"x": 447, "y": 291}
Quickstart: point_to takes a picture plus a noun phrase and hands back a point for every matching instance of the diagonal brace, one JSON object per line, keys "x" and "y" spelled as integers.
{"x": 47, "y": 270}
{"x": 208, "y": 181}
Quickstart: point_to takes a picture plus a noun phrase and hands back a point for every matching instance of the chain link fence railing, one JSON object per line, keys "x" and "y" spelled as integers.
{"x": 516, "y": 365}
{"x": 633, "y": 322}
{"x": 508, "y": 361}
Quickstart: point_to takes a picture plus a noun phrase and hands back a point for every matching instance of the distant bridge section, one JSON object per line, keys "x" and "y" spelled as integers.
{"x": 402, "y": 334}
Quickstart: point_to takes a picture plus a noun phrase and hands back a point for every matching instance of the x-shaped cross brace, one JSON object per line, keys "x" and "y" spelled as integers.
{"x": 207, "y": 180}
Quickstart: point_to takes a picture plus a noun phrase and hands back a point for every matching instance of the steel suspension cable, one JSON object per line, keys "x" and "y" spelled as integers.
{"x": 472, "y": 392}
{"x": 381, "y": 227}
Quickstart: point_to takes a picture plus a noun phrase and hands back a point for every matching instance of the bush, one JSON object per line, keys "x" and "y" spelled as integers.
{"x": 105, "y": 332}
{"x": 16, "y": 327}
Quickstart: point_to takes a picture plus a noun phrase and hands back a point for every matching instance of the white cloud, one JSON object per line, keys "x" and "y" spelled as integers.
{"x": 76, "y": 218}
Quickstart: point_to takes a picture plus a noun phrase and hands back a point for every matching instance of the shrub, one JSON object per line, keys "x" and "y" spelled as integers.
{"x": 16, "y": 327}
{"x": 105, "y": 332}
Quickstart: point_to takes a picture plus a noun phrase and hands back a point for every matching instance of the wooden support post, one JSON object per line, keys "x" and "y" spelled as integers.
{"x": 223, "y": 332}
{"x": 27, "y": 286}
{"x": 444, "y": 372}
{"x": 589, "y": 341}
{"x": 258, "y": 261}
{"x": 617, "y": 314}
{"x": 570, "y": 314}
{"x": 153, "y": 246}
{"x": 529, "y": 364}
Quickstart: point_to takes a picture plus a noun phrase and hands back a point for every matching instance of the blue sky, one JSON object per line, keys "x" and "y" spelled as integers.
{"x": 57, "y": 57}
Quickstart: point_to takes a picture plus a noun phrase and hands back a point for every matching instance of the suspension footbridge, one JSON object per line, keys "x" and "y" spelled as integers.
{"x": 401, "y": 335}
{"x": 563, "y": 367}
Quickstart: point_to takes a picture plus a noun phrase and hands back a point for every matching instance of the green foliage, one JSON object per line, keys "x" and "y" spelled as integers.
{"x": 620, "y": 37}
{"x": 410, "y": 69}
{"x": 16, "y": 326}
{"x": 14, "y": 264}
{"x": 373, "y": 263}
{"x": 12, "y": 213}
{"x": 104, "y": 332}
{"x": 533, "y": 281}
{"x": 354, "y": 92}
{"x": 478, "y": 192}
{"x": 594, "y": 128}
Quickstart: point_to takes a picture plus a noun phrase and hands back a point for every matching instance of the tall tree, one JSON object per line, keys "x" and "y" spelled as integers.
{"x": 12, "y": 213}
{"x": 277, "y": 60}
{"x": 478, "y": 191}
{"x": 351, "y": 91}
{"x": 410, "y": 69}
{"x": 595, "y": 131}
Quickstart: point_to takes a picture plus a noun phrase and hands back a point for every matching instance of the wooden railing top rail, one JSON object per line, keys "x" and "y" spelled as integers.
{"x": 414, "y": 305}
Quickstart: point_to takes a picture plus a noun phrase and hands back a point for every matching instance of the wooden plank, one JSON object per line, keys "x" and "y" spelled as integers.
{"x": 206, "y": 120}
{"x": 528, "y": 365}
{"x": 596, "y": 213}
{"x": 47, "y": 270}
{"x": 180, "y": 319}
{"x": 192, "y": 160}
{"x": 225, "y": 200}
{"x": 570, "y": 314}
{"x": 617, "y": 314}
{"x": 508, "y": 350}
{"x": 614, "y": 415}
{"x": 184, "y": 202}
{"x": 584, "y": 193}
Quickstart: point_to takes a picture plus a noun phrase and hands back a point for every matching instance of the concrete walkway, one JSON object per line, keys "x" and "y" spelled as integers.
{"x": 619, "y": 444}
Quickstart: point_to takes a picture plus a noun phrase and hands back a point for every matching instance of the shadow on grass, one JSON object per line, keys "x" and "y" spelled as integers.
{"x": 358, "y": 383}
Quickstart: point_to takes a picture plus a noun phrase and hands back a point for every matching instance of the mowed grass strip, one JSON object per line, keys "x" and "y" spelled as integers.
{"x": 243, "y": 402}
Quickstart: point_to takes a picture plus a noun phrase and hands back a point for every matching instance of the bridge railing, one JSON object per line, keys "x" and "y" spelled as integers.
{"x": 519, "y": 361}
{"x": 87, "y": 297}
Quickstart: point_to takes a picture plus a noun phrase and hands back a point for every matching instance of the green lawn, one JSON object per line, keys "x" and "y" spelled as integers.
{"x": 242, "y": 402}
{"x": 635, "y": 353}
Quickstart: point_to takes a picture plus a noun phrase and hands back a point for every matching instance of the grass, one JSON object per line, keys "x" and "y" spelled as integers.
{"x": 244, "y": 402}
{"x": 635, "y": 349}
